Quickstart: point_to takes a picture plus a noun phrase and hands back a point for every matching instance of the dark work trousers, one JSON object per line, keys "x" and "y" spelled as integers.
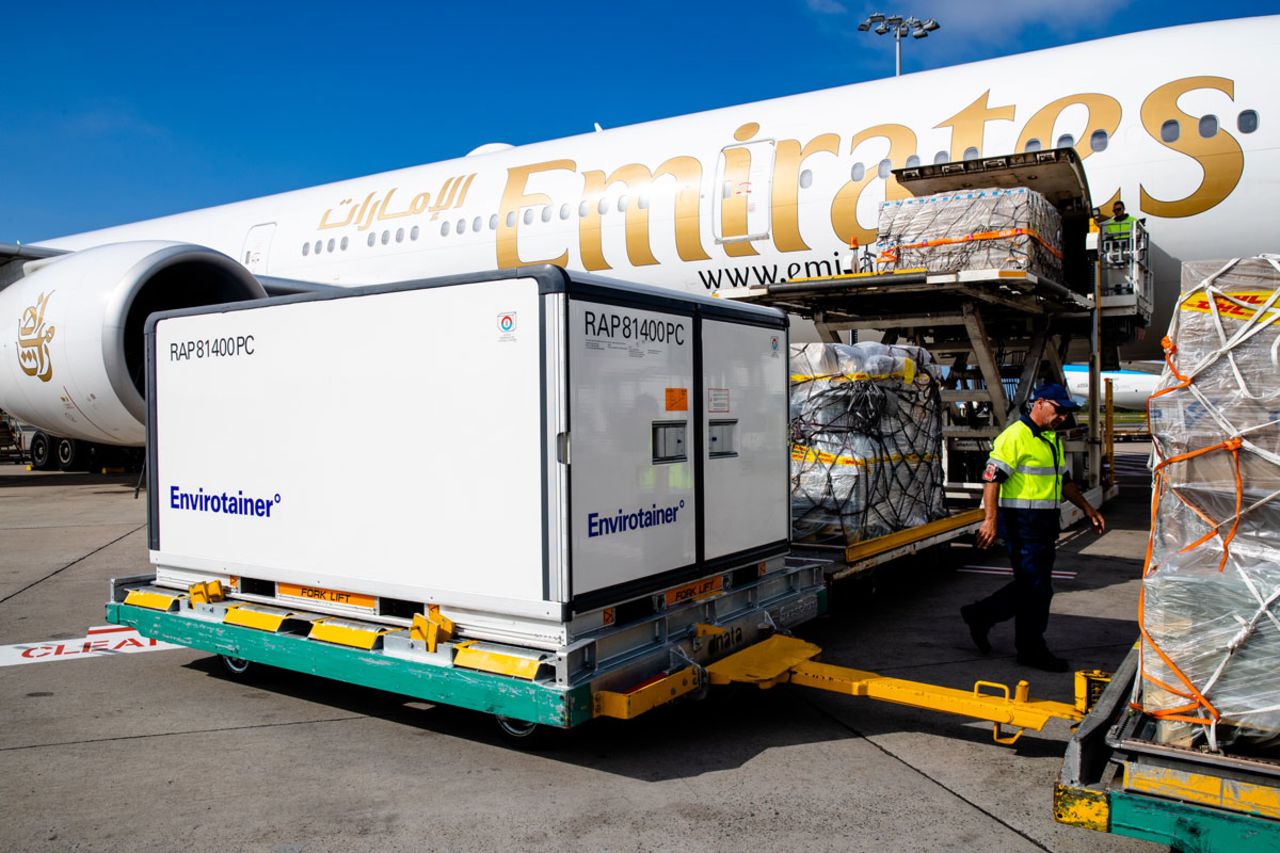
{"x": 1030, "y": 535}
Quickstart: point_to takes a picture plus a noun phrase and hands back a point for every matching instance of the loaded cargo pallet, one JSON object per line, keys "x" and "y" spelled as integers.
{"x": 1117, "y": 779}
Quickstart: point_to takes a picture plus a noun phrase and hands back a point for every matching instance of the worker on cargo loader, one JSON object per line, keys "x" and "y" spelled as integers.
{"x": 1120, "y": 225}
{"x": 1025, "y": 481}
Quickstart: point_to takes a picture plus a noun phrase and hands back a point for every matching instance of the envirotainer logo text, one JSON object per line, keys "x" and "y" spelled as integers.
{"x": 622, "y": 521}
{"x": 221, "y": 502}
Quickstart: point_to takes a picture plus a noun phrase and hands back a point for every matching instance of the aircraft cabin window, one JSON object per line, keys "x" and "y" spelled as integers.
{"x": 1169, "y": 131}
{"x": 1098, "y": 140}
{"x": 565, "y": 210}
{"x": 1247, "y": 121}
{"x": 1208, "y": 126}
{"x": 603, "y": 206}
{"x": 399, "y": 235}
{"x": 511, "y": 219}
{"x": 343, "y": 244}
{"x": 940, "y": 157}
{"x": 858, "y": 171}
{"x": 623, "y": 203}
{"x": 477, "y": 224}
{"x": 319, "y": 246}
{"x": 582, "y": 210}
{"x": 806, "y": 179}
{"x": 306, "y": 249}
{"x": 1066, "y": 140}
{"x": 546, "y": 213}
{"x": 493, "y": 222}
{"x": 413, "y": 234}
{"x": 528, "y": 216}
{"x": 444, "y": 229}
{"x": 883, "y": 169}
{"x": 913, "y": 161}
{"x": 642, "y": 201}
{"x": 329, "y": 247}
{"x": 372, "y": 238}
{"x": 1032, "y": 146}
{"x": 971, "y": 153}
{"x": 386, "y": 237}
{"x": 461, "y": 227}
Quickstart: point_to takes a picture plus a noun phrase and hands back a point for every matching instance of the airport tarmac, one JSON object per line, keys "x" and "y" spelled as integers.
{"x": 156, "y": 749}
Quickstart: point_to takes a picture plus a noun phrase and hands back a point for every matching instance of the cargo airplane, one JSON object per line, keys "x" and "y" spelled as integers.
{"x": 1182, "y": 123}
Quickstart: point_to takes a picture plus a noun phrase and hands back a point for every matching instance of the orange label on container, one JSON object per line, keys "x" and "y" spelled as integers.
{"x": 677, "y": 399}
{"x": 332, "y": 596}
{"x": 696, "y": 590}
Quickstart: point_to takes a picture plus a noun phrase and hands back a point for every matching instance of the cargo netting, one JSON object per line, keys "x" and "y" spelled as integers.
{"x": 983, "y": 229}
{"x": 1209, "y": 616}
{"x": 866, "y": 440}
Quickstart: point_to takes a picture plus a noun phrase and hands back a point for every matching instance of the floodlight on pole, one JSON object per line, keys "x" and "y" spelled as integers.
{"x": 901, "y": 28}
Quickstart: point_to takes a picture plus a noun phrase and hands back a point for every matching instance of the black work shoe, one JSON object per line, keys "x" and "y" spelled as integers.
{"x": 1044, "y": 660}
{"x": 977, "y": 628}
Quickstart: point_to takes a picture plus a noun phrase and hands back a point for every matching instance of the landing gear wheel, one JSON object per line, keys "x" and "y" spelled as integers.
{"x": 235, "y": 667}
{"x": 71, "y": 454}
{"x": 41, "y": 452}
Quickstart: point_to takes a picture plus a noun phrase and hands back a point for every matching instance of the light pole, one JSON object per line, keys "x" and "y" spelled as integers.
{"x": 901, "y": 28}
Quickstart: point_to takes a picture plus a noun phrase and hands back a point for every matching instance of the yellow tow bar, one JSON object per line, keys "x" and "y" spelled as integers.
{"x": 787, "y": 660}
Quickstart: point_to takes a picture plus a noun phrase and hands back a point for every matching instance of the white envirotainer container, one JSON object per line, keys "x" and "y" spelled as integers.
{"x": 519, "y": 448}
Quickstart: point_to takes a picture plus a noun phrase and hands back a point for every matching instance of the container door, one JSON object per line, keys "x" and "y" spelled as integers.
{"x": 746, "y": 470}
{"x": 632, "y": 513}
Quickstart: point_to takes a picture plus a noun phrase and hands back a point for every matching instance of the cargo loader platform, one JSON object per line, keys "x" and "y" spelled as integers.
{"x": 519, "y": 686}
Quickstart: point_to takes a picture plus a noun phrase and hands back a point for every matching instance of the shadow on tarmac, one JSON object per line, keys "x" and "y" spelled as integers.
{"x": 76, "y": 478}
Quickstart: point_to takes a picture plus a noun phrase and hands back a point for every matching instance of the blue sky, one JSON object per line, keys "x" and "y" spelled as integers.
{"x": 113, "y": 112}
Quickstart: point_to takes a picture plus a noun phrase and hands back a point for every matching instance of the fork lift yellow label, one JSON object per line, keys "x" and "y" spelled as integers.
{"x": 331, "y": 596}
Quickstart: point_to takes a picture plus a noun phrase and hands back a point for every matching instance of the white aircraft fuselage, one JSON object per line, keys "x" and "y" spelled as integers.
{"x": 1182, "y": 123}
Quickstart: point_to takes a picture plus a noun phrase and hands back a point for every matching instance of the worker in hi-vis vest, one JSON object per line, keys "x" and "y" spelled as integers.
{"x": 1120, "y": 225}
{"x": 1024, "y": 484}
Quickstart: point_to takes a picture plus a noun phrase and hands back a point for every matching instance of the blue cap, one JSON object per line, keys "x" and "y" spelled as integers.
{"x": 1057, "y": 395}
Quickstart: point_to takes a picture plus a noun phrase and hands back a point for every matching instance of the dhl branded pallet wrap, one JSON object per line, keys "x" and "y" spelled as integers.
{"x": 866, "y": 439}
{"x": 986, "y": 229}
{"x": 1210, "y": 606}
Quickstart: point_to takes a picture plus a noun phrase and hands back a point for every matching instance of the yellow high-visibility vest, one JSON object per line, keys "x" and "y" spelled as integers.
{"x": 1033, "y": 464}
{"x": 1123, "y": 228}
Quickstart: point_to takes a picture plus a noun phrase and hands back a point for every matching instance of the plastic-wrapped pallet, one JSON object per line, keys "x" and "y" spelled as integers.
{"x": 866, "y": 439}
{"x": 1210, "y": 611}
{"x": 986, "y": 229}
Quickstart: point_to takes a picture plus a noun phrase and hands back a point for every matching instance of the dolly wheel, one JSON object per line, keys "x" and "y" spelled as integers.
{"x": 235, "y": 667}
{"x": 517, "y": 729}
{"x": 528, "y": 736}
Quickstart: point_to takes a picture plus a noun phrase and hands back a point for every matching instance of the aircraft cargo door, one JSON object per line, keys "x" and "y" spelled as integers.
{"x": 257, "y": 247}
{"x": 744, "y": 189}
{"x": 745, "y": 414}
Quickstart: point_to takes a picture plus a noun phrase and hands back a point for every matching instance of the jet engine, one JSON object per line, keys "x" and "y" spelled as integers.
{"x": 77, "y": 366}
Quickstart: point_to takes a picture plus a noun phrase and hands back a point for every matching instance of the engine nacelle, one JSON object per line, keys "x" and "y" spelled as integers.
{"x": 77, "y": 365}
